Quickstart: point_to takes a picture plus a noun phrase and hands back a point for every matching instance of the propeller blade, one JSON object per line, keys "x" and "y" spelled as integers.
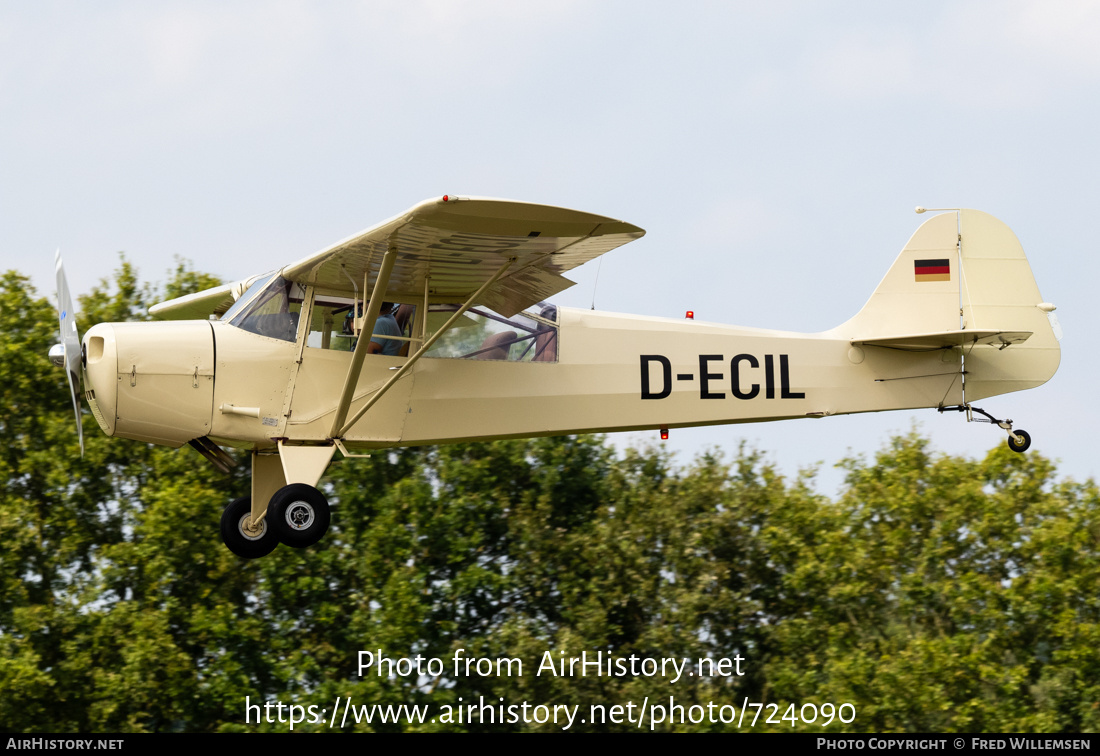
{"x": 70, "y": 343}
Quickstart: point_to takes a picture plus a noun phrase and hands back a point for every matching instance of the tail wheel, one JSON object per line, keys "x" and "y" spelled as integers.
{"x": 299, "y": 514}
{"x": 240, "y": 537}
{"x": 1019, "y": 441}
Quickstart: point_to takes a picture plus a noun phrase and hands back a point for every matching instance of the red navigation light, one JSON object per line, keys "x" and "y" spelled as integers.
{"x": 446, "y": 197}
{"x": 664, "y": 434}
{"x": 690, "y": 315}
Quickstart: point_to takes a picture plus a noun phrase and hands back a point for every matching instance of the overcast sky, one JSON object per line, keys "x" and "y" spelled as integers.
{"x": 773, "y": 152}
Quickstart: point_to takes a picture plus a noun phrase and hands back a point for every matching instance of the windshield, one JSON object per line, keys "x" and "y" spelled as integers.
{"x": 274, "y": 312}
{"x": 246, "y": 297}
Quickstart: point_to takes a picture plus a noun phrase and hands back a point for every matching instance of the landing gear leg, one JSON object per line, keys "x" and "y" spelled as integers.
{"x": 1018, "y": 441}
{"x": 296, "y": 514}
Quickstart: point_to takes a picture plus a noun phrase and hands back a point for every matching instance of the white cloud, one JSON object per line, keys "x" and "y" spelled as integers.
{"x": 186, "y": 45}
{"x": 1055, "y": 36}
{"x": 975, "y": 55}
{"x": 867, "y": 63}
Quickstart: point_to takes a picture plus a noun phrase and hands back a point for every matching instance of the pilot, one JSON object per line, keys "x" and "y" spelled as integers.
{"x": 386, "y": 325}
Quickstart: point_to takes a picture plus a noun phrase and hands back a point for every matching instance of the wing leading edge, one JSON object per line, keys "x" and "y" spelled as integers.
{"x": 451, "y": 246}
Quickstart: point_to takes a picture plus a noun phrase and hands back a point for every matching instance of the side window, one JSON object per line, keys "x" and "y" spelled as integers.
{"x": 327, "y": 326}
{"x": 331, "y": 326}
{"x": 482, "y": 334}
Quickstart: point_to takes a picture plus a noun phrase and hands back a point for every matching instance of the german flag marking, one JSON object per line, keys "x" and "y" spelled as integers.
{"x": 932, "y": 270}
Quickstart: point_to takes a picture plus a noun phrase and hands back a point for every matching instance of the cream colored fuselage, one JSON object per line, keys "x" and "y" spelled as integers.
{"x": 181, "y": 380}
{"x": 975, "y": 324}
{"x": 296, "y": 369}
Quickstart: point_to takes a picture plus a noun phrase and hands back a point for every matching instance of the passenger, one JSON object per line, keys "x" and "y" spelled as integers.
{"x": 386, "y": 325}
{"x": 404, "y": 316}
{"x": 546, "y": 340}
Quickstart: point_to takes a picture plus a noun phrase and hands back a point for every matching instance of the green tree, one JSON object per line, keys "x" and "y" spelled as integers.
{"x": 950, "y": 595}
{"x": 936, "y": 593}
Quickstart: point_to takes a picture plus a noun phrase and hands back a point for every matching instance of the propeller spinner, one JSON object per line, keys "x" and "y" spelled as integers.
{"x": 67, "y": 353}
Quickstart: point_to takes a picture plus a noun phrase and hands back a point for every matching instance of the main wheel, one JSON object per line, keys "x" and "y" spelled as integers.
{"x": 243, "y": 541}
{"x": 299, "y": 515}
{"x": 1019, "y": 447}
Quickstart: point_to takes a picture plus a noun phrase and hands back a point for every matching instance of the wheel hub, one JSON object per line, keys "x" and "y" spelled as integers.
{"x": 300, "y": 515}
{"x": 250, "y": 531}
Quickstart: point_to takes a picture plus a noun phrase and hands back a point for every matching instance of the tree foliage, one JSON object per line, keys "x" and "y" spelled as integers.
{"x": 935, "y": 594}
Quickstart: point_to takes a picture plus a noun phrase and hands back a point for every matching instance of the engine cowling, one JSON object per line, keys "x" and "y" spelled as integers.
{"x": 151, "y": 382}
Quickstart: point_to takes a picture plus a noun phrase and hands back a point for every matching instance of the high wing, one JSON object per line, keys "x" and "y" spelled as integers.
{"x": 202, "y": 304}
{"x": 197, "y": 306}
{"x": 453, "y": 245}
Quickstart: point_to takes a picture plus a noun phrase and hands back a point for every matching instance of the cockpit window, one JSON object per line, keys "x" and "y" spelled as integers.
{"x": 333, "y": 324}
{"x": 245, "y": 298}
{"x": 274, "y": 312}
{"x": 481, "y": 334}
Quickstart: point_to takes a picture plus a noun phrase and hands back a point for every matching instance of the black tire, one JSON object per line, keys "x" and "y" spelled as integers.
{"x": 299, "y": 515}
{"x": 1021, "y": 448}
{"x": 240, "y": 541}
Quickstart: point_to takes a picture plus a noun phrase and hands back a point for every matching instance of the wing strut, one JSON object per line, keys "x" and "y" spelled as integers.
{"x": 381, "y": 284}
{"x": 412, "y": 360}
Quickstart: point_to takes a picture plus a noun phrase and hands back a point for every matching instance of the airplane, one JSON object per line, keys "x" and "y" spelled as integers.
{"x": 434, "y": 327}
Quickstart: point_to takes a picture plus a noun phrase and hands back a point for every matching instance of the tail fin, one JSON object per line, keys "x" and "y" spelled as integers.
{"x": 963, "y": 282}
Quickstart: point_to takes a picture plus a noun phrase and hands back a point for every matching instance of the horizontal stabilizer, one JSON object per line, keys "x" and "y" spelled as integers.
{"x": 923, "y": 342}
